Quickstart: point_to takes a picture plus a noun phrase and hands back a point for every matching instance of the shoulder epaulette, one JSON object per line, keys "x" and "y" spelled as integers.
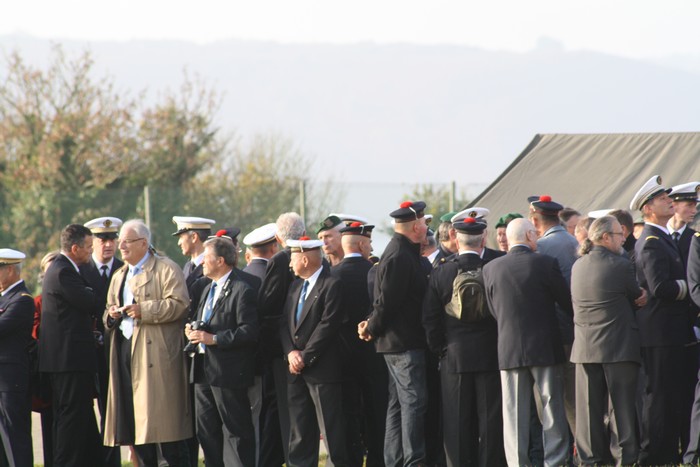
{"x": 697, "y": 234}
{"x": 650, "y": 237}
{"x": 25, "y": 294}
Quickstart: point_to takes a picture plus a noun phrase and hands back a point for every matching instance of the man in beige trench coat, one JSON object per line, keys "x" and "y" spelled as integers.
{"x": 147, "y": 401}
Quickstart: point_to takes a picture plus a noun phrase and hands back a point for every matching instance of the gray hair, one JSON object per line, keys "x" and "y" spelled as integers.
{"x": 139, "y": 227}
{"x": 470, "y": 240}
{"x": 596, "y": 230}
{"x": 223, "y": 248}
{"x": 290, "y": 226}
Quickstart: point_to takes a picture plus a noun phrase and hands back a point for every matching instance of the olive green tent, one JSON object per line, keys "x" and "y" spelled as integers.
{"x": 592, "y": 171}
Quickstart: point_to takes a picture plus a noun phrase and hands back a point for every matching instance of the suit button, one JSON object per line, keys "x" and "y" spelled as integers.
{"x": 148, "y": 341}
{"x": 296, "y": 337}
{"x": 150, "y": 365}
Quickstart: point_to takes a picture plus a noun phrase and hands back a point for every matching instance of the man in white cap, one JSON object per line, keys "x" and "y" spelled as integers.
{"x": 685, "y": 202}
{"x": 666, "y": 331}
{"x": 16, "y": 319}
{"x": 263, "y": 246}
{"x": 478, "y": 214}
{"x": 192, "y": 232}
{"x": 98, "y": 272}
{"x": 310, "y": 334}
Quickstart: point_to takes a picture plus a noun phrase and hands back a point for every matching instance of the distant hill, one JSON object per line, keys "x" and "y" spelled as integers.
{"x": 407, "y": 113}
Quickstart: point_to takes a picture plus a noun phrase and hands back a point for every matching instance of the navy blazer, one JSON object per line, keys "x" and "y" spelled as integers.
{"x": 68, "y": 305}
{"x": 522, "y": 289}
{"x": 317, "y": 334}
{"x": 16, "y": 321}
{"x": 666, "y": 319}
{"x": 94, "y": 277}
{"x": 234, "y": 320}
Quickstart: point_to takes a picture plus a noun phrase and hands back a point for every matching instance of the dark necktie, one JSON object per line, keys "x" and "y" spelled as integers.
{"x": 676, "y": 236}
{"x": 302, "y": 299}
{"x": 105, "y": 275}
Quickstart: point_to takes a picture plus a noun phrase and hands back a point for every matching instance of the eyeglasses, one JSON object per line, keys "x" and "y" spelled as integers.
{"x": 129, "y": 241}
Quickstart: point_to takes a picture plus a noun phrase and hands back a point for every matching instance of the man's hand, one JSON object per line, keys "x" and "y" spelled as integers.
{"x": 642, "y": 300}
{"x": 115, "y": 312}
{"x": 134, "y": 311}
{"x": 200, "y": 337}
{"x": 362, "y": 331}
{"x": 296, "y": 362}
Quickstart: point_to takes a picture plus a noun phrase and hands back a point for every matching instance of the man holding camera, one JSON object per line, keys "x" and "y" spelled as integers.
{"x": 147, "y": 401}
{"x": 223, "y": 342}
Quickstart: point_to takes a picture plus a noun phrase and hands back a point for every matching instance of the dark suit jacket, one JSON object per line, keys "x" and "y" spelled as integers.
{"x": 352, "y": 272}
{"x": 257, "y": 267}
{"x": 198, "y": 286}
{"x": 522, "y": 288}
{"x": 603, "y": 290}
{"x": 684, "y": 243}
{"x": 316, "y": 334}
{"x": 694, "y": 269}
{"x": 666, "y": 318}
{"x": 468, "y": 346}
{"x": 395, "y": 322}
{"x": 231, "y": 362}
{"x": 273, "y": 293}
{"x": 94, "y": 277}
{"x": 16, "y": 320}
{"x": 68, "y": 305}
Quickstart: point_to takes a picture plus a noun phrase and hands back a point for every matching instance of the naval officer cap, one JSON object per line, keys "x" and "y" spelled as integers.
{"x": 504, "y": 220}
{"x": 105, "y": 228}
{"x": 477, "y": 213}
{"x": 685, "y": 192}
{"x": 598, "y": 213}
{"x": 304, "y": 244}
{"x": 544, "y": 205}
{"x": 469, "y": 225}
{"x": 187, "y": 223}
{"x": 350, "y": 218}
{"x": 408, "y": 211}
{"x": 328, "y": 223}
{"x": 227, "y": 232}
{"x": 9, "y": 256}
{"x": 650, "y": 190}
{"x": 261, "y": 236}
{"x": 357, "y": 228}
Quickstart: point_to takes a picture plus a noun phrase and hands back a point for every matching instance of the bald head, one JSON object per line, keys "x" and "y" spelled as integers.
{"x": 521, "y": 232}
{"x": 357, "y": 244}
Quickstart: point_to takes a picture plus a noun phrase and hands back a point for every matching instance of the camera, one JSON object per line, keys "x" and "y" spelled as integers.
{"x": 190, "y": 349}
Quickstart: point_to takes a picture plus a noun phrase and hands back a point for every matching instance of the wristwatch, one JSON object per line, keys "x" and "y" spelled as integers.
{"x": 215, "y": 340}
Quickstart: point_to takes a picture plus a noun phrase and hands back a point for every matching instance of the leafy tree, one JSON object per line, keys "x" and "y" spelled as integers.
{"x": 72, "y": 148}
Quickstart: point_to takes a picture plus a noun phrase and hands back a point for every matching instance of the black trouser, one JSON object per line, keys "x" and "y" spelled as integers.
{"x": 174, "y": 453}
{"x": 668, "y": 400}
{"x": 76, "y": 439}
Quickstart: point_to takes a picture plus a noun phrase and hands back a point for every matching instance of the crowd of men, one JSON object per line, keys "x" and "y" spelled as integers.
{"x": 573, "y": 343}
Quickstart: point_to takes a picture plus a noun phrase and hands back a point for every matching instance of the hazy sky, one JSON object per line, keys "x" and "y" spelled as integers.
{"x": 634, "y": 28}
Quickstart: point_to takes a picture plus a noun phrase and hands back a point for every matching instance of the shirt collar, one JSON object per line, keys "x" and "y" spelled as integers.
{"x": 679, "y": 230}
{"x": 222, "y": 280}
{"x": 470, "y": 252}
{"x": 4, "y": 292}
{"x": 139, "y": 266}
{"x": 312, "y": 279}
{"x": 100, "y": 264}
{"x": 72, "y": 262}
{"x": 198, "y": 260}
{"x": 660, "y": 227}
{"x": 353, "y": 255}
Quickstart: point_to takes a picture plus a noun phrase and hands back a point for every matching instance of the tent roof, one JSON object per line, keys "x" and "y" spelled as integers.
{"x": 592, "y": 171}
